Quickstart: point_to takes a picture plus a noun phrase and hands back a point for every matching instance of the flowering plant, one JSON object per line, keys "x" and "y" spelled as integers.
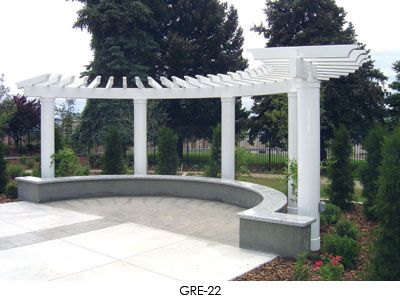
{"x": 331, "y": 269}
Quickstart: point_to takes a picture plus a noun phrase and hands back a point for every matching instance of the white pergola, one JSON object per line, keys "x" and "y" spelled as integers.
{"x": 296, "y": 71}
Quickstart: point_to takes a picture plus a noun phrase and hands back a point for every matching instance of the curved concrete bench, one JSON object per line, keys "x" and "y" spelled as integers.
{"x": 263, "y": 226}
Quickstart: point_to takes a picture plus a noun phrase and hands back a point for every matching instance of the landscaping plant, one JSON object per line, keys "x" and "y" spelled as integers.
{"x": 301, "y": 269}
{"x": 213, "y": 169}
{"x": 330, "y": 215}
{"x": 346, "y": 228}
{"x": 167, "y": 162}
{"x": 14, "y": 171}
{"x": 369, "y": 172}
{"x": 241, "y": 158}
{"x": 12, "y": 190}
{"x": 3, "y": 167}
{"x": 340, "y": 171}
{"x": 69, "y": 164}
{"x": 386, "y": 249}
{"x": 114, "y": 163}
{"x": 345, "y": 247}
{"x": 330, "y": 269}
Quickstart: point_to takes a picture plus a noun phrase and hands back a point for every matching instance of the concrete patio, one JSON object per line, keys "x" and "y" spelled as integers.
{"x": 123, "y": 239}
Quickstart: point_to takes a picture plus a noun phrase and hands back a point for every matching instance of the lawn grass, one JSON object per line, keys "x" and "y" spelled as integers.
{"x": 281, "y": 185}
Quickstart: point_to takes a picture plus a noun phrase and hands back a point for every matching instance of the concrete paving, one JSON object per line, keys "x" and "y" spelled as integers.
{"x": 122, "y": 239}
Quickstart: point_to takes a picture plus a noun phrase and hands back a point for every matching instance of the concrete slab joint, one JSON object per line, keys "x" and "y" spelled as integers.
{"x": 263, "y": 226}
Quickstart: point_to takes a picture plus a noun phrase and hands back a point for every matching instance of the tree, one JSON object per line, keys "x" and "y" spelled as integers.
{"x": 386, "y": 250}
{"x": 68, "y": 164}
{"x": 160, "y": 38}
{"x": 25, "y": 118}
{"x": 123, "y": 41}
{"x": 340, "y": 172}
{"x": 214, "y": 166}
{"x": 167, "y": 161}
{"x": 357, "y": 100}
{"x": 201, "y": 37}
{"x": 114, "y": 154}
{"x": 7, "y": 107}
{"x": 4, "y": 91}
{"x": 369, "y": 173}
{"x": 393, "y": 100}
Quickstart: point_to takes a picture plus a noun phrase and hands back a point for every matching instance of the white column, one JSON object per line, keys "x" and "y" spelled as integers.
{"x": 140, "y": 139}
{"x": 47, "y": 148}
{"x": 228, "y": 138}
{"x": 308, "y": 196}
{"x": 292, "y": 148}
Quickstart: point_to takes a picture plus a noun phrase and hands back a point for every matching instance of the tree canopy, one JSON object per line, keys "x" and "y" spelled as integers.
{"x": 159, "y": 38}
{"x": 393, "y": 99}
{"x": 357, "y": 101}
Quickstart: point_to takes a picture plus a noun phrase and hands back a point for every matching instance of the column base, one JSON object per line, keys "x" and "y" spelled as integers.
{"x": 315, "y": 244}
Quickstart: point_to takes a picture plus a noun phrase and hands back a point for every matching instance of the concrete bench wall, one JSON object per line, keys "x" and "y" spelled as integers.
{"x": 263, "y": 226}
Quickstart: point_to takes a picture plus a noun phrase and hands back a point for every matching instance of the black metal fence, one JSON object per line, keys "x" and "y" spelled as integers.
{"x": 196, "y": 154}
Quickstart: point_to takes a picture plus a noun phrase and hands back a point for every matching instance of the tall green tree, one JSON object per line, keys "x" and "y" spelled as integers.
{"x": 114, "y": 163}
{"x": 201, "y": 37}
{"x": 393, "y": 100}
{"x": 356, "y": 101}
{"x": 340, "y": 172}
{"x": 386, "y": 255}
{"x": 123, "y": 42}
{"x": 167, "y": 161}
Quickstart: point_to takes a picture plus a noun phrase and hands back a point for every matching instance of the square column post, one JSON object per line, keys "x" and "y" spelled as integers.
{"x": 47, "y": 146}
{"x": 140, "y": 138}
{"x": 308, "y": 197}
{"x": 292, "y": 149}
{"x": 228, "y": 138}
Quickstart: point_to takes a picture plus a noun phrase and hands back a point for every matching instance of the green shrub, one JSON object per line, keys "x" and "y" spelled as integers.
{"x": 330, "y": 269}
{"x": 28, "y": 162}
{"x": 369, "y": 173}
{"x": 3, "y": 169}
{"x": 167, "y": 162}
{"x": 348, "y": 229}
{"x": 12, "y": 190}
{"x": 330, "y": 215}
{"x": 14, "y": 171}
{"x": 386, "y": 249}
{"x": 36, "y": 172}
{"x": 213, "y": 169}
{"x": 340, "y": 171}
{"x": 241, "y": 159}
{"x": 345, "y": 247}
{"x": 301, "y": 268}
{"x": 68, "y": 164}
{"x": 114, "y": 163}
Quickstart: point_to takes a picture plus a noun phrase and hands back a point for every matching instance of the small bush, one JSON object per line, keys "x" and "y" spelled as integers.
{"x": 331, "y": 215}
{"x": 167, "y": 162}
{"x": 344, "y": 247}
{"x": 301, "y": 268}
{"x": 36, "y": 172}
{"x": 213, "y": 169}
{"x": 241, "y": 159}
{"x": 114, "y": 162}
{"x": 330, "y": 269}
{"x": 346, "y": 228}
{"x": 28, "y": 162}
{"x": 14, "y": 171}
{"x": 68, "y": 164}
{"x": 3, "y": 168}
{"x": 12, "y": 190}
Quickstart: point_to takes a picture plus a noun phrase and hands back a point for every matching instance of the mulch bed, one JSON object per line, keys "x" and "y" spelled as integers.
{"x": 5, "y": 199}
{"x": 282, "y": 268}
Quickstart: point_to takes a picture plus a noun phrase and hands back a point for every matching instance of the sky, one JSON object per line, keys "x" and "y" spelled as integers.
{"x": 37, "y": 35}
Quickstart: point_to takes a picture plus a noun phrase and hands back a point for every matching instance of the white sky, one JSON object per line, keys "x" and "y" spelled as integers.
{"x": 37, "y": 35}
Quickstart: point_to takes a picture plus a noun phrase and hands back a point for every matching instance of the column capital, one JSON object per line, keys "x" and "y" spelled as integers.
{"x": 228, "y": 99}
{"x": 308, "y": 84}
{"x": 140, "y": 101}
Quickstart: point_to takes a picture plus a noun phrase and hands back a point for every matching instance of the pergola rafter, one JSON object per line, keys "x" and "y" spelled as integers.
{"x": 296, "y": 71}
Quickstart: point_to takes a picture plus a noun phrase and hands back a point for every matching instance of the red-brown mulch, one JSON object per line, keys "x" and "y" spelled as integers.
{"x": 5, "y": 199}
{"x": 282, "y": 268}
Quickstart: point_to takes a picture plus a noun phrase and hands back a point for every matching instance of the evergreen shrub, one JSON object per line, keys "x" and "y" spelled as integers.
{"x": 114, "y": 162}
{"x": 167, "y": 161}
{"x": 345, "y": 247}
{"x": 12, "y": 190}
{"x": 348, "y": 229}
{"x": 340, "y": 171}
{"x": 330, "y": 215}
{"x": 213, "y": 169}
{"x": 3, "y": 168}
